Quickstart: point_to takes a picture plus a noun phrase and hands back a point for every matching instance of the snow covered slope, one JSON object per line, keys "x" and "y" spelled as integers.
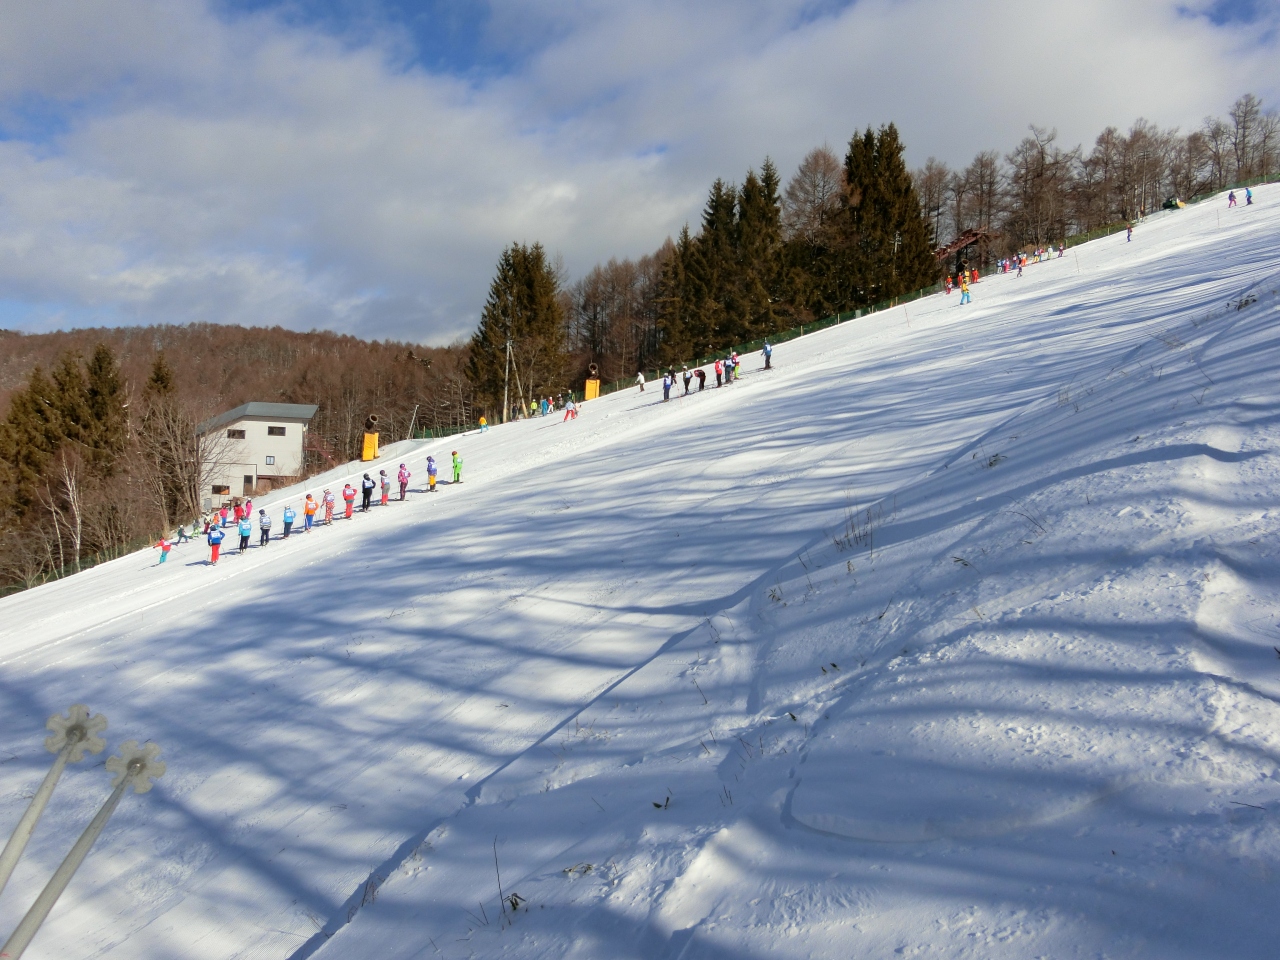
{"x": 952, "y": 636}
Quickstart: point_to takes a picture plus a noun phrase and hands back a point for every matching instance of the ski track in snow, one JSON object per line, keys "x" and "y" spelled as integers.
{"x": 948, "y": 638}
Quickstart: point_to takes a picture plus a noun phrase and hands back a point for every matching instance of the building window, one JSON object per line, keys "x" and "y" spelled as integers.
{"x": 235, "y": 434}
{"x": 271, "y": 461}
{"x": 275, "y": 431}
{"x": 221, "y": 489}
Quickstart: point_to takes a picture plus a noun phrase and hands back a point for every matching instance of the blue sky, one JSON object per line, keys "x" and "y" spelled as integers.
{"x": 358, "y": 165}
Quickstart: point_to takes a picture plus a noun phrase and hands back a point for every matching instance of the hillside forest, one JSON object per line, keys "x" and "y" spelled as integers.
{"x": 97, "y": 441}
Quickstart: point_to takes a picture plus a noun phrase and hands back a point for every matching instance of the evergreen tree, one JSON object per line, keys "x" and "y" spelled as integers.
{"x": 523, "y": 307}
{"x": 29, "y": 436}
{"x": 160, "y": 383}
{"x": 108, "y": 433}
{"x": 886, "y": 236}
{"x": 676, "y": 299}
{"x": 759, "y": 254}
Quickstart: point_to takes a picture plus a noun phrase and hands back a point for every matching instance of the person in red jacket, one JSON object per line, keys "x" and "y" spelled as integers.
{"x": 349, "y": 498}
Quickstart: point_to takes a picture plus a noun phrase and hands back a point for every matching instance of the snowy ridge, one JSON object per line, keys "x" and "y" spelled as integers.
{"x": 883, "y": 652}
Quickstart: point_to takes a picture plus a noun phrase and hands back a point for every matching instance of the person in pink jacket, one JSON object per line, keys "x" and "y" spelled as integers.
{"x": 403, "y": 478}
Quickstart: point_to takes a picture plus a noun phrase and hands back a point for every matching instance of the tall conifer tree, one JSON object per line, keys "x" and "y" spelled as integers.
{"x": 523, "y": 307}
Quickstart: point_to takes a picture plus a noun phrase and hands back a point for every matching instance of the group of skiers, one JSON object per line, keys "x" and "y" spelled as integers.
{"x": 315, "y": 510}
{"x": 726, "y": 371}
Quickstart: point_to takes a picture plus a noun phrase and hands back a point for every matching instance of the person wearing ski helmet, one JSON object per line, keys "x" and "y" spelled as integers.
{"x": 366, "y": 492}
{"x": 215, "y": 536}
{"x": 402, "y": 477}
{"x": 385, "y": 482}
{"x": 457, "y": 467}
{"x": 432, "y": 470}
{"x": 264, "y": 526}
{"x": 349, "y": 498}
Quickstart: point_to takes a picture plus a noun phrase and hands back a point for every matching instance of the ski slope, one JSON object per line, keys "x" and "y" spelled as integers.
{"x": 952, "y": 636}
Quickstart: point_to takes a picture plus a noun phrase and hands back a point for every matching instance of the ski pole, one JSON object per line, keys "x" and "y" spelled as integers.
{"x": 69, "y": 738}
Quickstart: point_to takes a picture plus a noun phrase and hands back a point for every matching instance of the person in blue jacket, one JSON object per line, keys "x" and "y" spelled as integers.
{"x": 215, "y": 542}
{"x": 245, "y": 528}
{"x": 767, "y": 353}
{"x": 289, "y": 517}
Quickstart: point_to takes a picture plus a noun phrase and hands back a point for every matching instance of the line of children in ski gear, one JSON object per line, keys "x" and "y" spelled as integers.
{"x": 726, "y": 372}
{"x": 240, "y": 513}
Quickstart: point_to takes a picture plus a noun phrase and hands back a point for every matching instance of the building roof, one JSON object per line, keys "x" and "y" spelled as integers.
{"x": 268, "y": 411}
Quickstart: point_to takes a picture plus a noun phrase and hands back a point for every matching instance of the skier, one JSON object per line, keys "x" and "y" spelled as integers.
{"x": 457, "y": 467}
{"x": 1128, "y": 234}
{"x": 329, "y": 502}
{"x": 224, "y": 513}
{"x": 767, "y": 353}
{"x": 309, "y": 513}
{"x": 719, "y": 373}
{"x": 245, "y": 528}
{"x": 1231, "y": 199}
{"x": 687, "y": 378}
{"x": 367, "y": 486}
{"x": 385, "y": 481}
{"x": 946, "y": 284}
{"x": 533, "y": 408}
{"x": 264, "y": 525}
{"x": 403, "y": 478}
{"x": 165, "y": 546}
{"x": 289, "y": 517}
{"x": 239, "y": 512}
{"x": 484, "y": 426}
{"x": 1248, "y": 196}
{"x": 349, "y": 498}
{"x": 570, "y": 411}
{"x": 666, "y": 387}
{"x": 431, "y": 474}
{"x": 702, "y": 377}
{"x": 215, "y": 542}
{"x": 543, "y": 406}
{"x": 182, "y": 533}
{"x": 640, "y": 380}
{"x": 964, "y": 292}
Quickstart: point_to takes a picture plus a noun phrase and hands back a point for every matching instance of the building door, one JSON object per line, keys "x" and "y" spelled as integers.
{"x": 248, "y": 484}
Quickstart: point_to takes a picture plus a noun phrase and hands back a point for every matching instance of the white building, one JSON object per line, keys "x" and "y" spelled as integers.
{"x": 253, "y": 448}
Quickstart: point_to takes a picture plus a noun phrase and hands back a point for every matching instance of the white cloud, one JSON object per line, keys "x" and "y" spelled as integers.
{"x": 249, "y": 171}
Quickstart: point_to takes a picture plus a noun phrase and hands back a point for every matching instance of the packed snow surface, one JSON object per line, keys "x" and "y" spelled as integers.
{"x": 952, "y": 636}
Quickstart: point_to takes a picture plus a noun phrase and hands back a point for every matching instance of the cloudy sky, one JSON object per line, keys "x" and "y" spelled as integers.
{"x": 358, "y": 165}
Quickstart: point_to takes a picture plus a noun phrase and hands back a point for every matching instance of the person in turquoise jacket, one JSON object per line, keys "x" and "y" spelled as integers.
{"x": 245, "y": 527}
{"x": 289, "y": 517}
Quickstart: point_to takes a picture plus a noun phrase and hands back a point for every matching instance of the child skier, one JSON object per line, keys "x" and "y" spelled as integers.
{"x": 309, "y": 512}
{"x": 640, "y": 380}
{"x": 1231, "y": 199}
{"x": 386, "y": 486}
{"x": 215, "y": 542}
{"x": 289, "y": 517}
{"x": 349, "y": 498}
{"x": 719, "y": 373}
{"x": 367, "y": 486}
{"x": 702, "y": 377}
{"x": 484, "y": 426}
{"x": 666, "y": 387}
{"x": 245, "y": 528}
{"x": 403, "y": 478}
{"x": 767, "y": 353}
{"x": 432, "y": 470}
{"x": 457, "y": 467}
{"x": 264, "y": 526}
{"x": 570, "y": 411}
{"x": 165, "y": 546}
{"x": 329, "y": 502}
{"x": 964, "y": 292}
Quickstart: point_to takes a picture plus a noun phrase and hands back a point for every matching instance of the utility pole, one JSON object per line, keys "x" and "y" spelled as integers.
{"x": 506, "y": 377}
